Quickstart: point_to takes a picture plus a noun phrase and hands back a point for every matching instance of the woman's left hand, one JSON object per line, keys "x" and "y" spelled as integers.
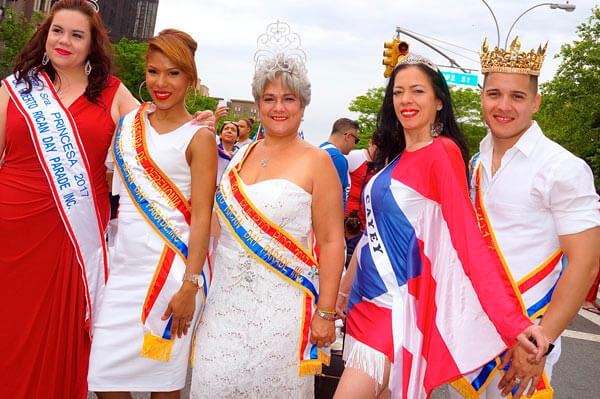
{"x": 205, "y": 118}
{"x": 537, "y": 350}
{"x": 322, "y": 332}
{"x": 182, "y": 307}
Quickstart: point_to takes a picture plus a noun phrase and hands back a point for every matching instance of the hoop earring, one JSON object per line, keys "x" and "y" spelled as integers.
{"x": 45, "y": 59}
{"x": 88, "y": 67}
{"x": 140, "y": 91}
{"x": 195, "y": 95}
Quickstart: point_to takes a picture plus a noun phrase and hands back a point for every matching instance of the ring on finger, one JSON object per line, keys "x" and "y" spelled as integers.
{"x": 517, "y": 380}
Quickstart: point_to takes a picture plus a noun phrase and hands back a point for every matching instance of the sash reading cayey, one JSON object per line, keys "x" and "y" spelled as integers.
{"x": 275, "y": 249}
{"x": 63, "y": 159}
{"x": 168, "y": 212}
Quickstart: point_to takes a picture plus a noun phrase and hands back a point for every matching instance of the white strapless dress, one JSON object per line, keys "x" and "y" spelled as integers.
{"x": 247, "y": 342}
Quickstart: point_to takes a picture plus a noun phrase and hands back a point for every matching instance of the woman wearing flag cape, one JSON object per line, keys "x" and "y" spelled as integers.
{"x": 430, "y": 301}
{"x": 269, "y": 317}
{"x": 165, "y": 175}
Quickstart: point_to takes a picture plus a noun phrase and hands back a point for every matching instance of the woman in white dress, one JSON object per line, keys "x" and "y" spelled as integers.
{"x": 142, "y": 334}
{"x": 262, "y": 333}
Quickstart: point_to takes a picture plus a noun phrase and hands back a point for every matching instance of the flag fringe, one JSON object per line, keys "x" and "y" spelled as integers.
{"x": 362, "y": 357}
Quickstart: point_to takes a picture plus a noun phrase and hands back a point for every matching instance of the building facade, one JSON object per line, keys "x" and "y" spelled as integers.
{"x": 27, "y": 7}
{"x": 242, "y": 109}
{"x": 133, "y": 19}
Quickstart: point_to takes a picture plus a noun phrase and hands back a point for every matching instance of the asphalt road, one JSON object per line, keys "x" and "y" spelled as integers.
{"x": 575, "y": 376}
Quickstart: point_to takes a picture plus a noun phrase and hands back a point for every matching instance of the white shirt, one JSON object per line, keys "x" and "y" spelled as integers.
{"x": 243, "y": 143}
{"x": 355, "y": 159}
{"x": 540, "y": 191}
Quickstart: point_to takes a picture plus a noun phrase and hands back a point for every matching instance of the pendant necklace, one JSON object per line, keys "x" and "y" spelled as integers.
{"x": 265, "y": 161}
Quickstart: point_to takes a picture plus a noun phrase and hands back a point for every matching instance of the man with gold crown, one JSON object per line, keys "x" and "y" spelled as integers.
{"x": 538, "y": 209}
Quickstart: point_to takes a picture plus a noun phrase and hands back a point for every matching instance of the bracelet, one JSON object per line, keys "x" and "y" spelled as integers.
{"x": 326, "y": 316}
{"x": 329, "y": 312}
{"x": 343, "y": 294}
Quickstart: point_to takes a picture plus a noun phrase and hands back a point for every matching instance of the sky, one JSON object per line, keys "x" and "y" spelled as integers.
{"x": 343, "y": 40}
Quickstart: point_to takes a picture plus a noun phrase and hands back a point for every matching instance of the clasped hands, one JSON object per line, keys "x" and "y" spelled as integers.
{"x": 526, "y": 362}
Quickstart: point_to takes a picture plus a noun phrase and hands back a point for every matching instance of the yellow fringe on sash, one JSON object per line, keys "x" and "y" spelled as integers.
{"x": 157, "y": 348}
{"x": 314, "y": 366}
{"x": 463, "y": 387}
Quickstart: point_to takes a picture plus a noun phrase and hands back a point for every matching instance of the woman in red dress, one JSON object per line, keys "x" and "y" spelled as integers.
{"x": 45, "y": 339}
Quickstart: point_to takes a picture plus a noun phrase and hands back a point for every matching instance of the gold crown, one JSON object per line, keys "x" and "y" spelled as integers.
{"x": 512, "y": 60}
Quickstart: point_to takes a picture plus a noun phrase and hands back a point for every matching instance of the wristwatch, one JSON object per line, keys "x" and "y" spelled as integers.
{"x": 550, "y": 345}
{"x": 197, "y": 279}
{"x": 329, "y": 316}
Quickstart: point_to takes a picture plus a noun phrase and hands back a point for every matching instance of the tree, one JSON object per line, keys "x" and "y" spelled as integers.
{"x": 570, "y": 111}
{"x": 129, "y": 63}
{"x": 367, "y": 106}
{"x": 15, "y": 32}
{"x": 467, "y": 107}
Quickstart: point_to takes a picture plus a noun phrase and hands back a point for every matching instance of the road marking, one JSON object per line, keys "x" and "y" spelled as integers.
{"x": 594, "y": 318}
{"x": 581, "y": 335}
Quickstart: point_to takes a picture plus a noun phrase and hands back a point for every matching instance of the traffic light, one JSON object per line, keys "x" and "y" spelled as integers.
{"x": 394, "y": 52}
{"x": 403, "y": 48}
{"x": 391, "y": 57}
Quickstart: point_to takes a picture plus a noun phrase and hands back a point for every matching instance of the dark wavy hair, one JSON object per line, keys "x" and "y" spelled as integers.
{"x": 29, "y": 60}
{"x": 390, "y": 134}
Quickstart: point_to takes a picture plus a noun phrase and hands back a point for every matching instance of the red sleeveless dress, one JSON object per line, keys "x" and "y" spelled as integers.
{"x": 44, "y": 346}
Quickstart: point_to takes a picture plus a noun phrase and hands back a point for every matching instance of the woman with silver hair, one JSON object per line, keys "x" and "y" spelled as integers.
{"x": 270, "y": 312}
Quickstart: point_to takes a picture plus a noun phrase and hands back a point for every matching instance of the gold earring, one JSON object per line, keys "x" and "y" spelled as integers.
{"x": 140, "y": 92}
{"x": 195, "y": 95}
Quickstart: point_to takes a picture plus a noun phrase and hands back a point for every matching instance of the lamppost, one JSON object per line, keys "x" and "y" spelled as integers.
{"x": 495, "y": 21}
{"x": 553, "y": 6}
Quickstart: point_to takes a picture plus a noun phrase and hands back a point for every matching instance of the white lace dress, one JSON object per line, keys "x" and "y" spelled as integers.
{"x": 247, "y": 343}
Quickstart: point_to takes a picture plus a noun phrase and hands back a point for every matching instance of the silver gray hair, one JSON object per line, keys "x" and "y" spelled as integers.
{"x": 292, "y": 72}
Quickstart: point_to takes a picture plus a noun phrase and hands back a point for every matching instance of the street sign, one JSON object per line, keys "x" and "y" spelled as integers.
{"x": 460, "y": 78}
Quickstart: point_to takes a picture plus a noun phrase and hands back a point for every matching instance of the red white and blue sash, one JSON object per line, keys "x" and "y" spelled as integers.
{"x": 63, "y": 159}
{"x": 534, "y": 292}
{"x": 168, "y": 212}
{"x": 278, "y": 251}
{"x": 224, "y": 154}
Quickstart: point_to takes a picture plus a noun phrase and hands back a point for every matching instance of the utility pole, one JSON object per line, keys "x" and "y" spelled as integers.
{"x": 453, "y": 63}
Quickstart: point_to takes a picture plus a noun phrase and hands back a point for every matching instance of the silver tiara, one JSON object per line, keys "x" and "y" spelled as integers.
{"x": 94, "y": 3}
{"x": 279, "y": 39}
{"x": 412, "y": 59}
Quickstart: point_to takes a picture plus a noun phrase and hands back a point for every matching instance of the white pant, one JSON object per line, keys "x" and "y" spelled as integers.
{"x": 492, "y": 391}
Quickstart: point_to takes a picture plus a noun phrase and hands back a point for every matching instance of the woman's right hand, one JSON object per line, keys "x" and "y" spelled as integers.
{"x": 220, "y": 112}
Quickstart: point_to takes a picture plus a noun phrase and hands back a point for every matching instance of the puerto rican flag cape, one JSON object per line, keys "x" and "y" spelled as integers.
{"x": 428, "y": 294}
